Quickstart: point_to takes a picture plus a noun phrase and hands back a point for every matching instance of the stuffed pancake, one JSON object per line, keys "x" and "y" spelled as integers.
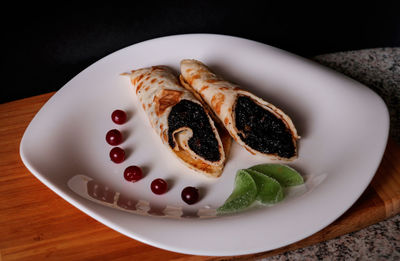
{"x": 257, "y": 125}
{"x": 180, "y": 120}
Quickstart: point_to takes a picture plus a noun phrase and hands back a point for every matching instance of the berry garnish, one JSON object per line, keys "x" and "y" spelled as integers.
{"x": 117, "y": 155}
{"x": 190, "y": 195}
{"x": 159, "y": 186}
{"x": 133, "y": 173}
{"x": 114, "y": 137}
{"x": 118, "y": 117}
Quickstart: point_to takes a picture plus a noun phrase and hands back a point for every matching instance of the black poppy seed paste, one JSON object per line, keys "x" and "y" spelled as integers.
{"x": 192, "y": 115}
{"x": 262, "y": 130}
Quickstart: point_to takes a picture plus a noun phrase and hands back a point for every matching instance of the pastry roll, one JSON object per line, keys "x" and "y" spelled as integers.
{"x": 180, "y": 120}
{"x": 257, "y": 125}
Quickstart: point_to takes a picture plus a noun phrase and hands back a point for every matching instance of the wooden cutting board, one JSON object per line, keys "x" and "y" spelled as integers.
{"x": 37, "y": 224}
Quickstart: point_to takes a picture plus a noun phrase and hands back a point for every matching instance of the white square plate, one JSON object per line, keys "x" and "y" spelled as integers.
{"x": 343, "y": 124}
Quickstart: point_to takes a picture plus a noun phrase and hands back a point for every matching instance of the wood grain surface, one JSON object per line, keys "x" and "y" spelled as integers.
{"x": 36, "y": 224}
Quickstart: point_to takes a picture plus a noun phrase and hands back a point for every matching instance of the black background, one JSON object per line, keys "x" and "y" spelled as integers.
{"x": 45, "y": 46}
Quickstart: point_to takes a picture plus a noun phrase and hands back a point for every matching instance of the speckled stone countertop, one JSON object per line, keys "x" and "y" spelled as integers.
{"x": 378, "y": 69}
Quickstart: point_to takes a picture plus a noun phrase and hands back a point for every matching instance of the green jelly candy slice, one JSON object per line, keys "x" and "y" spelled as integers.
{"x": 243, "y": 195}
{"x": 269, "y": 190}
{"x": 285, "y": 175}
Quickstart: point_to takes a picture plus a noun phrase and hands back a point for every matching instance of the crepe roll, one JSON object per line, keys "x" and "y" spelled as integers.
{"x": 180, "y": 120}
{"x": 257, "y": 125}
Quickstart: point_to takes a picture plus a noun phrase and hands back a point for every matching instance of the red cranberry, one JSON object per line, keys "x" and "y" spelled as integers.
{"x": 117, "y": 155}
{"x": 190, "y": 195}
{"x": 159, "y": 186}
{"x": 114, "y": 137}
{"x": 133, "y": 173}
{"x": 118, "y": 117}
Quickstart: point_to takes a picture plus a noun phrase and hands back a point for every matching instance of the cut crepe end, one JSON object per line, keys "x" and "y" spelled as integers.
{"x": 181, "y": 137}
{"x": 185, "y": 154}
{"x": 279, "y": 114}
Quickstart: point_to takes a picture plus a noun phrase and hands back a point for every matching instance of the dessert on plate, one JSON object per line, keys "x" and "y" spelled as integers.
{"x": 257, "y": 125}
{"x": 180, "y": 120}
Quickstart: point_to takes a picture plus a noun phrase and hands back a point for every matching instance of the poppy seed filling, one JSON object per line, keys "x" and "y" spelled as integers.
{"x": 262, "y": 130}
{"x": 192, "y": 115}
